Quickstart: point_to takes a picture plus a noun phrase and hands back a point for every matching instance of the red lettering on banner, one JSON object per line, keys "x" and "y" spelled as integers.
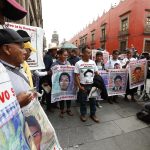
{"x": 4, "y": 96}
{"x": 7, "y": 95}
{"x": 13, "y": 92}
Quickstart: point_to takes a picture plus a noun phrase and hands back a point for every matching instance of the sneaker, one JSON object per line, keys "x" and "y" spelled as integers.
{"x": 83, "y": 118}
{"x": 94, "y": 118}
{"x": 98, "y": 105}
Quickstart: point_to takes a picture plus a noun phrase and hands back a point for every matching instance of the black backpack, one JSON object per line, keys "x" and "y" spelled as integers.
{"x": 144, "y": 115}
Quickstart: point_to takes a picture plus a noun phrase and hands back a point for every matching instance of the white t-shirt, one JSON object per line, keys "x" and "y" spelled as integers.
{"x": 124, "y": 61}
{"x": 113, "y": 64}
{"x": 86, "y": 71}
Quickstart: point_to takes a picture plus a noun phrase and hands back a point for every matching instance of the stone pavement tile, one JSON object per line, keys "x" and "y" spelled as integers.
{"x": 127, "y": 111}
{"x": 59, "y": 123}
{"x": 105, "y": 130}
{"x": 108, "y": 106}
{"x": 63, "y": 137}
{"x": 80, "y": 135}
{"x": 107, "y": 115}
{"x": 132, "y": 141}
{"x": 145, "y": 133}
{"x": 130, "y": 124}
{"x": 125, "y": 104}
{"x": 106, "y": 144}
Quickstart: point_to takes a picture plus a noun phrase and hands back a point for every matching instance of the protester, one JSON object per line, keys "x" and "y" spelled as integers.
{"x": 100, "y": 61}
{"x": 114, "y": 63}
{"x": 125, "y": 64}
{"x": 62, "y": 60}
{"x": 73, "y": 57}
{"x": 101, "y": 66}
{"x": 85, "y": 86}
{"x": 11, "y": 45}
{"x": 45, "y": 82}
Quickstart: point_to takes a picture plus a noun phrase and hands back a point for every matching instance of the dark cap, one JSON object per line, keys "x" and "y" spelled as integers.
{"x": 24, "y": 35}
{"x": 10, "y": 36}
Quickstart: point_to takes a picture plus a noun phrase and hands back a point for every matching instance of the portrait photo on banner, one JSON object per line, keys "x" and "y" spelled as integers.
{"x": 63, "y": 84}
{"x": 117, "y": 82}
{"x": 39, "y": 125}
{"x": 137, "y": 73}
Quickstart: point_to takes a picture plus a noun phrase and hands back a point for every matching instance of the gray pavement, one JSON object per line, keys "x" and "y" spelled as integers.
{"x": 119, "y": 129}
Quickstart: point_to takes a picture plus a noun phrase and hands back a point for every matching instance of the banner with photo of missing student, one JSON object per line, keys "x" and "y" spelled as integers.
{"x": 63, "y": 84}
{"x": 117, "y": 82}
{"x": 137, "y": 73}
{"x": 12, "y": 124}
{"x": 40, "y": 127}
{"x": 105, "y": 55}
{"x": 105, "y": 75}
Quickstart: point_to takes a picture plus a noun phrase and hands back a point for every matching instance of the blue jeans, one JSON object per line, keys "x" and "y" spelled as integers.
{"x": 83, "y": 100}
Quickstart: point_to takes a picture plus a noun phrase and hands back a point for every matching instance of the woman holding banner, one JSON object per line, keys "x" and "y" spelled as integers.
{"x": 64, "y": 80}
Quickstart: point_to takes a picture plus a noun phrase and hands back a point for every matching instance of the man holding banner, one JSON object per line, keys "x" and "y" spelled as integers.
{"x": 83, "y": 68}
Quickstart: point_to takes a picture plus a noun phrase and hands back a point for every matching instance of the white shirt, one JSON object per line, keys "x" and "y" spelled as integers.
{"x": 113, "y": 64}
{"x": 124, "y": 61}
{"x": 86, "y": 71}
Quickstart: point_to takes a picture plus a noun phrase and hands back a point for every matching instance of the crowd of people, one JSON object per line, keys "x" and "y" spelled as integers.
{"x": 16, "y": 48}
{"x": 85, "y": 70}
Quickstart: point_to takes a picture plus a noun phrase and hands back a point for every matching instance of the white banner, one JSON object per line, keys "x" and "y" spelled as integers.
{"x": 40, "y": 127}
{"x": 137, "y": 73}
{"x": 117, "y": 82}
{"x": 63, "y": 86}
{"x": 35, "y": 61}
{"x": 12, "y": 126}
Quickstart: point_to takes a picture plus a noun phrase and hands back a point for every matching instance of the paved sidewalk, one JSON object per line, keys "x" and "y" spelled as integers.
{"x": 119, "y": 129}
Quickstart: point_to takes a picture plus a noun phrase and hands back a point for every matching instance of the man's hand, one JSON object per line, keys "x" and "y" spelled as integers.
{"x": 24, "y": 98}
{"x": 49, "y": 72}
{"x": 82, "y": 88}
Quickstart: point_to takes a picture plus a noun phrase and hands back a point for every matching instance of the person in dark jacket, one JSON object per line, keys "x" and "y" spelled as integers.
{"x": 73, "y": 57}
{"x": 49, "y": 58}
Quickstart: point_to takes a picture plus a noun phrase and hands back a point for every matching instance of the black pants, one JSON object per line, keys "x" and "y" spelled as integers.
{"x": 62, "y": 104}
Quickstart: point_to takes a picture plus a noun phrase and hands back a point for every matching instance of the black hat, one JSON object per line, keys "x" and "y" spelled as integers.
{"x": 10, "y": 36}
{"x": 24, "y": 35}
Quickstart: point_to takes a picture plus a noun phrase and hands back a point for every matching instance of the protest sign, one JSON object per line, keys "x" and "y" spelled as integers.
{"x": 105, "y": 75}
{"x": 40, "y": 127}
{"x": 63, "y": 86}
{"x": 105, "y": 55}
{"x": 137, "y": 73}
{"x": 12, "y": 125}
{"x": 117, "y": 82}
{"x": 35, "y": 61}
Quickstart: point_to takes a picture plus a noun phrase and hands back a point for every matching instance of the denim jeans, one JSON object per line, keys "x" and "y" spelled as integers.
{"x": 83, "y": 100}
{"x": 62, "y": 104}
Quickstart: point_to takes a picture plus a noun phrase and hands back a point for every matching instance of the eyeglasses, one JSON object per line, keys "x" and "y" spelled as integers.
{"x": 36, "y": 133}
